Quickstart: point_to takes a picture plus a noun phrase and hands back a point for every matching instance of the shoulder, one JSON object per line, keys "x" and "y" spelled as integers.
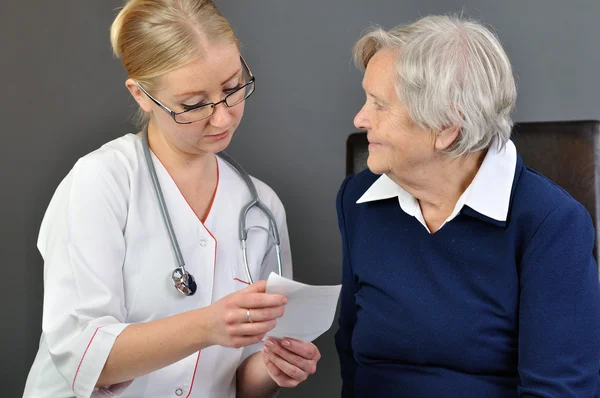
{"x": 559, "y": 235}
{"x": 112, "y": 161}
{"x": 103, "y": 173}
{"x": 106, "y": 174}
{"x": 117, "y": 158}
{"x": 537, "y": 198}
{"x": 98, "y": 181}
{"x": 542, "y": 211}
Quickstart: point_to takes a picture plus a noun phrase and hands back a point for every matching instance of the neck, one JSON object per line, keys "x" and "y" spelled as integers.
{"x": 439, "y": 184}
{"x": 180, "y": 164}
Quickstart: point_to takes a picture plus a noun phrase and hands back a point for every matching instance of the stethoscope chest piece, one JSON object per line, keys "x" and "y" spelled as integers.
{"x": 184, "y": 281}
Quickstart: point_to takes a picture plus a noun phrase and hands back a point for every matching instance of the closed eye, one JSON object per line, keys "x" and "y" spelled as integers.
{"x": 192, "y": 107}
{"x": 200, "y": 104}
{"x": 377, "y": 106}
{"x": 233, "y": 89}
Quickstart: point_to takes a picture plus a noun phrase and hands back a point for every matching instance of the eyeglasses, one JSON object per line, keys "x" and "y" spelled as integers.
{"x": 204, "y": 111}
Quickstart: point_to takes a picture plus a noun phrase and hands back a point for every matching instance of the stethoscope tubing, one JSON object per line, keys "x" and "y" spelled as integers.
{"x": 243, "y": 232}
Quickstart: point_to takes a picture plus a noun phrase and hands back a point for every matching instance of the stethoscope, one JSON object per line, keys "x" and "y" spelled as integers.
{"x": 182, "y": 279}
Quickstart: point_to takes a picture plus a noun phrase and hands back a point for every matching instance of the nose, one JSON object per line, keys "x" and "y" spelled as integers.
{"x": 361, "y": 121}
{"x": 221, "y": 116}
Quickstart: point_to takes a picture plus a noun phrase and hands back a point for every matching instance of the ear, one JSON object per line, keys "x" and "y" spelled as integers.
{"x": 445, "y": 138}
{"x": 138, "y": 95}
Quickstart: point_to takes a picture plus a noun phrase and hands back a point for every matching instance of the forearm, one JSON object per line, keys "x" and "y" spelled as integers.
{"x": 145, "y": 347}
{"x": 253, "y": 379}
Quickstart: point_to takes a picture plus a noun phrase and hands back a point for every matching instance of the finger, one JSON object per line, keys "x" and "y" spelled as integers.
{"x": 306, "y": 365}
{"x": 244, "y": 341}
{"x": 305, "y": 350}
{"x": 278, "y": 376}
{"x": 289, "y": 369}
{"x": 260, "y": 300}
{"x": 273, "y": 370}
{"x": 253, "y": 329}
{"x": 256, "y": 287}
{"x": 261, "y": 314}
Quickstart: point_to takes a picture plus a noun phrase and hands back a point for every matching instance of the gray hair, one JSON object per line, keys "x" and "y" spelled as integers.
{"x": 451, "y": 72}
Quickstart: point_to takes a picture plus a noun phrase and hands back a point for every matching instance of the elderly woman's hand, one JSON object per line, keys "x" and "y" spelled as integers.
{"x": 289, "y": 362}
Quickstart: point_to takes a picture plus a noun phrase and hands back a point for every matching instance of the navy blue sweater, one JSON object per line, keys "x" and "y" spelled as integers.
{"x": 481, "y": 308}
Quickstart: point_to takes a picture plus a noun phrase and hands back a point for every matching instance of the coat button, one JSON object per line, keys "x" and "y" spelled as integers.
{"x": 203, "y": 242}
{"x": 179, "y": 392}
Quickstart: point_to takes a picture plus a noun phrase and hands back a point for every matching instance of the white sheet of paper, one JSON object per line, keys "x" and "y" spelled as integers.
{"x": 309, "y": 311}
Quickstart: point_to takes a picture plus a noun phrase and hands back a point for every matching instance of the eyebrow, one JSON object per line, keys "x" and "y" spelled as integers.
{"x": 190, "y": 93}
{"x": 368, "y": 92}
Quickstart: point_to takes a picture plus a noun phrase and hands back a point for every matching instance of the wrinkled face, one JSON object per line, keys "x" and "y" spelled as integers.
{"x": 397, "y": 145}
{"x": 208, "y": 79}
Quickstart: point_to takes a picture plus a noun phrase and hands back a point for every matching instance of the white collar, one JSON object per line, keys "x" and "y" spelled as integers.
{"x": 488, "y": 194}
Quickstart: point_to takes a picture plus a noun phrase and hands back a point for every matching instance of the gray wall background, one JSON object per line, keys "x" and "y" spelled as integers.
{"x": 63, "y": 96}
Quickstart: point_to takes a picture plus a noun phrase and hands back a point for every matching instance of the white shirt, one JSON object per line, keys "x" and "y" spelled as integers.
{"x": 488, "y": 194}
{"x": 108, "y": 263}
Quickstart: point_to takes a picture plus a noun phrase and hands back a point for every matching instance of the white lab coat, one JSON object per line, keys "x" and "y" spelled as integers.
{"x": 108, "y": 263}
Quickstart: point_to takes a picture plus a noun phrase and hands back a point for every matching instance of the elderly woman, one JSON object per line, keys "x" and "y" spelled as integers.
{"x": 465, "y": 274}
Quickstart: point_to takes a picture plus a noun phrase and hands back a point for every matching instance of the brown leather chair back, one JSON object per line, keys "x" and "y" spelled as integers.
{"x": 568, "y": 153}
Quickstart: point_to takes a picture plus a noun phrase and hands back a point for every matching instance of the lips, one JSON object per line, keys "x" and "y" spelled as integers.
{"x": 219, "y": 136}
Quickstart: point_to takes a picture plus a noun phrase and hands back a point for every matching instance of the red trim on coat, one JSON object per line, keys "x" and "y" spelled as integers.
{"x": 214, "y": 269}
{"x": 214, "y": 262}
{"x": 213, "y": 287}
{"x": 212, "y": 200}
{"x": 194, "y": 376}
{"x": 85, "y": 352}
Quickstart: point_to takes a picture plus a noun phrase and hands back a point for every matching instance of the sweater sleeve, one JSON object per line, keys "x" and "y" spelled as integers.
{"x": 347, "y": 318}
{"x": 559, "y": 310}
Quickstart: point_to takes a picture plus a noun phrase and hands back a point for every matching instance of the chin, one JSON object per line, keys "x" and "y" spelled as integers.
{"x": 376, "y": 165}
{"x": 216, "y": 147}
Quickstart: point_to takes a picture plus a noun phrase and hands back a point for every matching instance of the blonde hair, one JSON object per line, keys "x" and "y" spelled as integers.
{"x": 154, "y": 37}
{"x": 450, "y": 72}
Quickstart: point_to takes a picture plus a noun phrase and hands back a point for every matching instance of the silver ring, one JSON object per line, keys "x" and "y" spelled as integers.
{"x": 248, "y": 316}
